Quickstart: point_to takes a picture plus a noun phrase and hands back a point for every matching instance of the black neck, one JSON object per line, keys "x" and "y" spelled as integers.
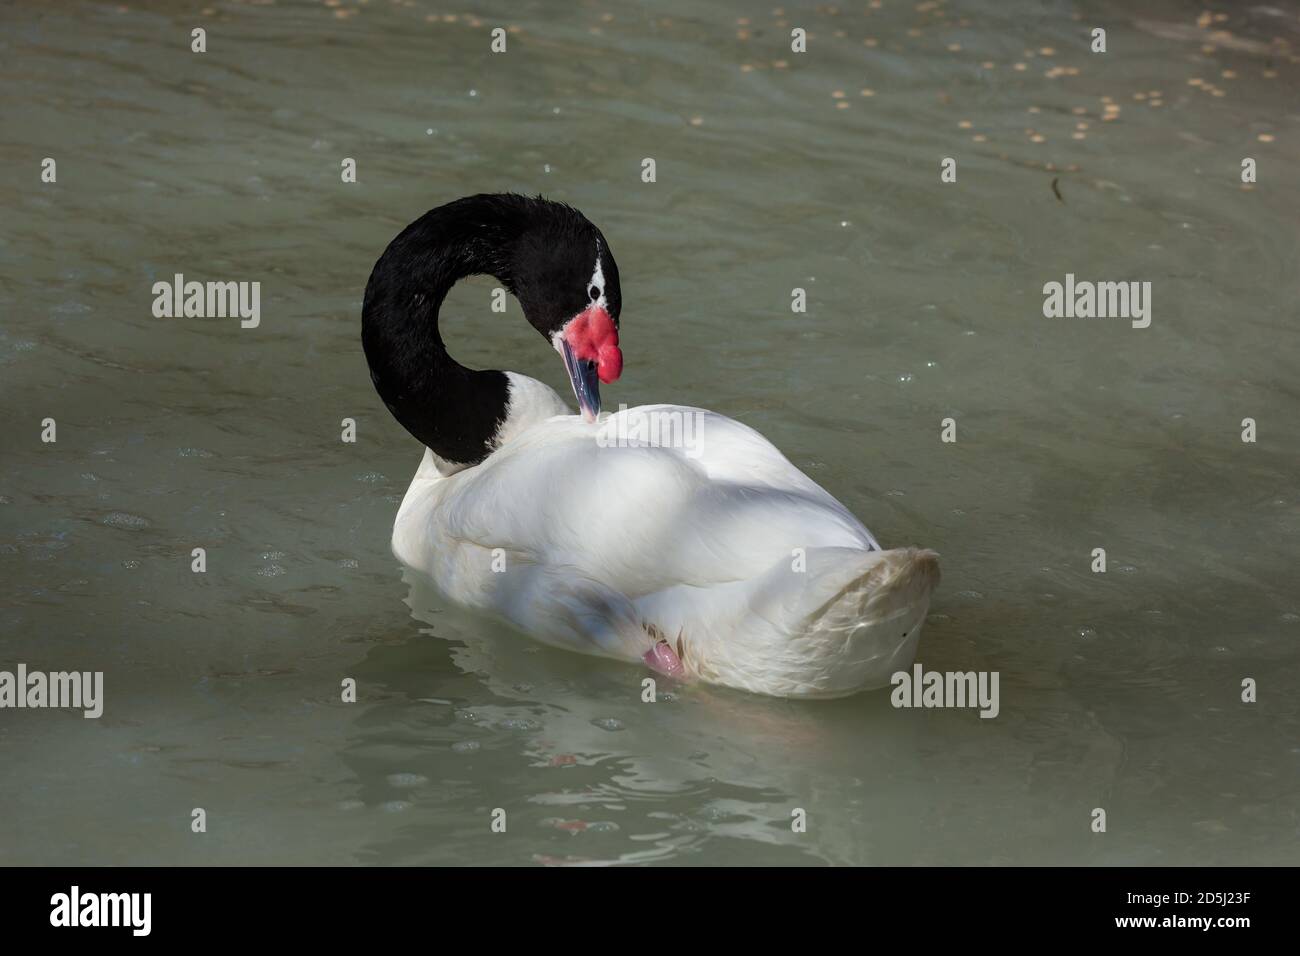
{"x": 453, "y": 410}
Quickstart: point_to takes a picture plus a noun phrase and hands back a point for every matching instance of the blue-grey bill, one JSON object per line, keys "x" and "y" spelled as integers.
{"x": 586, "y": 385}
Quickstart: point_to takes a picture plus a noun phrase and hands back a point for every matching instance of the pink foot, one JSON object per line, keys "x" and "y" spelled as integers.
{"x": 664, "y": 659}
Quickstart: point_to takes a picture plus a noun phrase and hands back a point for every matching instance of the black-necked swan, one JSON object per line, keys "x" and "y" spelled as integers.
{"x": 712, "y": 559}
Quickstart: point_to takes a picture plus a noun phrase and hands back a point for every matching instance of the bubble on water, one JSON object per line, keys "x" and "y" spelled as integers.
{"x": 90, "y": 476}
{"x": 602, "y": 826}
{"x": 546, "y": 167}
{"x": 194, "y": 453}
{"x": 523, "y": 687}
{"x": 1290, "y": 617}
{"x": 406, "y": 780}
{"x": 1086, "y": 633}
{"x": 349, "y": 563}
{"x": 973, "y": 595}
{"x": 395, "y": 806}
{"x": 608, "y": 723}
{"x": 473, "y": 92}
{"x": 465, "y": 746}
{"x": 519, "y": 724}
{"x": 715, "y": 814}
{"x": 844, "y": 224}
{"x": 371, "y": 477}
{"x": 896, "y": 493}
{"x": 350, "y": 804}
{"x": 429, "y": 131}
{"x": 271, "y": 571}
{"x": 905, "y": 377}
{"x": 1127, "y": 568}
{"x": 129, "y": 565}
{"x": 272, "y": 555}
{"x": 125, "y": 521}
{"x": 669, "y": 697}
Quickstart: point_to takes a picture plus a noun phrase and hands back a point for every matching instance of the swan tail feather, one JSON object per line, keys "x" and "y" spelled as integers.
{"x": 852, "y": 622}
{"x": 899, "y": 580}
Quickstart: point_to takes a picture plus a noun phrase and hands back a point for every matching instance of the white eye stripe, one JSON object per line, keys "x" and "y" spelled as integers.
{"x": 597, "y": 280}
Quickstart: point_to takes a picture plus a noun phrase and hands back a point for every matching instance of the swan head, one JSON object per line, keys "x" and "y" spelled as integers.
{"x": 566, "y": 280}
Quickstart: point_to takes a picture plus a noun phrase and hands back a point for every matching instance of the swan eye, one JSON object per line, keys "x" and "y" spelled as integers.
{"x": 594, "y": 293}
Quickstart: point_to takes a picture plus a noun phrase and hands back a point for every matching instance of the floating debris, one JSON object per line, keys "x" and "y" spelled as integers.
{"x": 125, "y": 522}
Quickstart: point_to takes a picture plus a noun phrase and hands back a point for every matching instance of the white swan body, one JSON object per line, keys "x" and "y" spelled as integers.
{"x": 757, "y": 577}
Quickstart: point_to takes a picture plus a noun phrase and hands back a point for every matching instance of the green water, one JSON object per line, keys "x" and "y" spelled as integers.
{"x": 1119, "y": 691}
